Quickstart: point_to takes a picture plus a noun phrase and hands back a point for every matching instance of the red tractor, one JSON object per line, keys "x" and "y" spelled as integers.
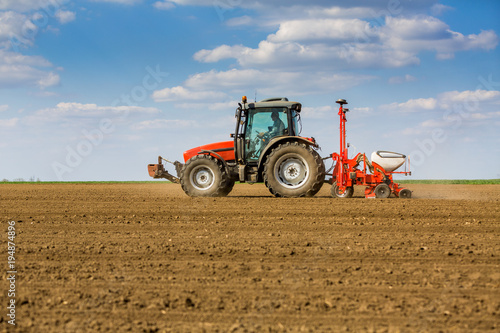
{"x": 266, "y": 147}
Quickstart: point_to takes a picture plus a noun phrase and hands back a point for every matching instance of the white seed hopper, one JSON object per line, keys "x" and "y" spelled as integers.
{"x": 388, "y": 160}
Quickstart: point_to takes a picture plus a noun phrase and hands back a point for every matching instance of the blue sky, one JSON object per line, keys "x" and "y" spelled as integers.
{"x": 96, "y": 90}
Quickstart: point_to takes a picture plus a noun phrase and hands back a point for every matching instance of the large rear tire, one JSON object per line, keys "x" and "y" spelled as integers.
{"x": 204, "y": 176}
{"x": 294, "y": 170}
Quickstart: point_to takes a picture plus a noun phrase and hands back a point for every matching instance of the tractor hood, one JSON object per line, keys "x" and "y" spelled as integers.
{"x": 225, "y": 149}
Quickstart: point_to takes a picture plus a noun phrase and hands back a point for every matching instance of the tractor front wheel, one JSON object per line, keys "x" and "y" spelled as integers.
{"x": 293, "y": 170}
{"x": 204, "y": 176}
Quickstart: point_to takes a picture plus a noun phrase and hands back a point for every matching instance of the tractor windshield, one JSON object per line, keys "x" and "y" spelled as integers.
{"x": 263, "y": 124}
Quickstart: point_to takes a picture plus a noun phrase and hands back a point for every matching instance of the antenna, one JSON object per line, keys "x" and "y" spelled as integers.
{"x": 255, "y": 100}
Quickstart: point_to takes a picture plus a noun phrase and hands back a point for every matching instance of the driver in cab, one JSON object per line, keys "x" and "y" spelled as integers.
{"x": 278, "y": 127}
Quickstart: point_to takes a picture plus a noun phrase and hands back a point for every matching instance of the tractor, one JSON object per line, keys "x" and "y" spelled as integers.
{"x": 266, "y": 147}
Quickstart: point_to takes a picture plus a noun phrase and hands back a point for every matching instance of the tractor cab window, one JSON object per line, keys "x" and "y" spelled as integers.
{"x": 263, "y": 124}
{"x": 296, "y": 123}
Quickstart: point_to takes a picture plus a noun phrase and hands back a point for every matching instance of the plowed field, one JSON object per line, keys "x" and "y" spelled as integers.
{"x": 147, "y": 258}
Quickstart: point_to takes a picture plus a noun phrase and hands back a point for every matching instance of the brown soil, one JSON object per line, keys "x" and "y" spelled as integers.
{"x": 147, "y": 258}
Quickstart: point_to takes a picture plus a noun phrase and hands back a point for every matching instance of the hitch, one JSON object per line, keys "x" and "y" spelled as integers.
{"x": 158, "y": 170}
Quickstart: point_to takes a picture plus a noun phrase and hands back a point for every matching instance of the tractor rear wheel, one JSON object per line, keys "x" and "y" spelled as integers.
{"x": 382, "y": 191}
{"x": 204, "y": 176}
{"x": 293, "y": 170}
{"x": 337, "y": 193}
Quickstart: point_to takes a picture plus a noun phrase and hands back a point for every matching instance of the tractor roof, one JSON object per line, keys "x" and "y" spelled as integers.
{"x": 275, "y": 102}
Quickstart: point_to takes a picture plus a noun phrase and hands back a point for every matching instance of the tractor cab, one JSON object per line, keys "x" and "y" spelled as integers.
{"x": 260, "y": 123}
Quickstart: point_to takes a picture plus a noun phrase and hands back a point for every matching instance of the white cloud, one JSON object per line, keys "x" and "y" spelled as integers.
{"x": 273, "y": 82}
{"x": 65, "y": 16}
{"x": 313, "y": 30}
{"x": 240, "y": 21}
{"x": 121, "y": 2}
{"x": 181, "y": 93}
{"x": 68, "y": 110}
{"x": 365, "y": 110}
{"x": 320, "y": 112}
{"x": 467, "y": 97}
{"x": 434, "y": 123}
{"x": 438, "y": 9}
{"x": 20, "y": 70}
{"x": 210, "y": 106}
{"x": 218, "y": 89}
{"x": 416, "y": 28}
{"x": 288, "y": 55}
{"x": 424, "y": 33}
{"x": 13, "y": 58}
{"x": 163, "y": 5}
{"x": 4, "y": 107}
{"x": 487, "y": 115}
{"x": 220, "y": 53}
{"x": 352, "y": 43}
{"x": 164, "y": 124}
{"x": 16, "y": 28}
{"x": 402, "y": 79}
{"x": 26, "y": 5}
{"x": 413, "y": 105}
{"x": 463, "y": 101}
{"x": 8, "y": 123}
{"x": 377, "y": 7}
{"x": 51, "y": 79}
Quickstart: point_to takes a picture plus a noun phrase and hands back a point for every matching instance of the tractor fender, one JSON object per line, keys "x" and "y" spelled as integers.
{"x": 211, "y": 152}
{"x": 282, "y": 139}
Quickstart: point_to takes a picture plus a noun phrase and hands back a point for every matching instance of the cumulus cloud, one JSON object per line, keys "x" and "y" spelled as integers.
{"x": 240, "y": 21}
{"x": 461, "y": 101}
{"x": 313, "y": 30}
{"x": 220, "y": 53}
{"x": 320, "y": 112}
{"x": 164, "y": 124}
{"x": 438, "y": 9}
{"x": 379, "y": 6}
{"x": 26, "y": 5}
{"x": 423, "y": 33}
{"x": 16, "y": 28}
{"x": 402, "y": 79}
{"x": 65, "y": 16}
{"x": 51, "y": 79}
{"x": 274, "y": 82}
{"x": 122, "y": 2}
{"x": 180, "y": 93}
{"x": 20, "y": 70}
{"x": 448, "y": 99}
{"x": 8, "y": 123}
{"x": 352, "y": 43}
{"x": 163, "y": 5}
{"x": 413, "y": 105}
{"x": 68, "y": 110}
